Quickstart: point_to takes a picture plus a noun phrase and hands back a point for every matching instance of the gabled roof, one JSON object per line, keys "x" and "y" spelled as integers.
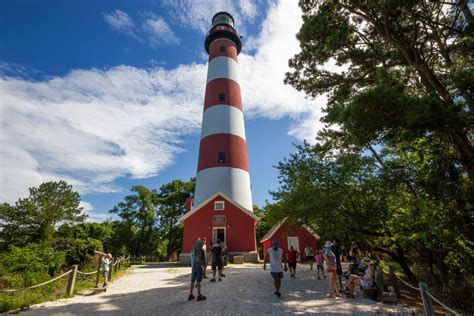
{"x": 277, "y": 226}
{"x": 212, "y": 197}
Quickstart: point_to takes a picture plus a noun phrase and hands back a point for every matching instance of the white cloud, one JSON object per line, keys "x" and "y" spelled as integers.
{"x": 121, "y": 22}
{"x": 158, "y": 31}
{"x": 91, "y": 215}
{"x": 94, "y": 126}
{"x": 196, "y": 14}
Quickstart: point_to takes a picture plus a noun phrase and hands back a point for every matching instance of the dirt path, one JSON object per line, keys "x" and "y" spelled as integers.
{"x": 246, "y": 290}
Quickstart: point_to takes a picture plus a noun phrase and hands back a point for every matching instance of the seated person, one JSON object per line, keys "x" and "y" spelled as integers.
{"x": 365, "y": 280}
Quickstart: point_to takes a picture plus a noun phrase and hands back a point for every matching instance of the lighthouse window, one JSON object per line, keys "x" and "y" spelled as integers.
{"x": 222, "y": 49}
{"x": 219, "y": 206}
{"x": 221, "y": 158}
{"x": 221, "y": 96}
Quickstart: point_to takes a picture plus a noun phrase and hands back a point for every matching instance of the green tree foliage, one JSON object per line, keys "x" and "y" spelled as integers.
{"x": 33, "y": 219}
{"x": 171, "y": 207}
{"x": 138, "y": 212}
{"x": 407, "y": 207}
{"x": 408, "y": 69}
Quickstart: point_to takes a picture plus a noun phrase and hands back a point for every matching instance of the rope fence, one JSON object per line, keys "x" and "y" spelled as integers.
{"x": 113, "y": 268}
{"x": 37, "y": 285}
{"x": 426, "y": 297}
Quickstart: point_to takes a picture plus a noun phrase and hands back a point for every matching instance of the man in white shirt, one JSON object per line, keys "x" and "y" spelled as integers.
{"x": 309, "y": 253}
{"x": 275, "y": 256}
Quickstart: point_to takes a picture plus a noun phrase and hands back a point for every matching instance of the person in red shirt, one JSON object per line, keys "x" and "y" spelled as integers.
{"x": 292, "y": 255}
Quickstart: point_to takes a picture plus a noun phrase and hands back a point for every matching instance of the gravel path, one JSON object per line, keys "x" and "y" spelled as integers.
{"x": 162, "y": 289}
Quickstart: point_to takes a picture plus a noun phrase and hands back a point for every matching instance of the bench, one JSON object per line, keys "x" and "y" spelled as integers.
{"x": 238, "y": 259}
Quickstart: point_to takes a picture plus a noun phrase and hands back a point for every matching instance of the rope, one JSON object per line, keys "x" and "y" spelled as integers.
{"x": 37, "y": 285}
{"x": 88, "y": 273}
{"x": 440, "y": 303}
{"x": 409, "y": 285}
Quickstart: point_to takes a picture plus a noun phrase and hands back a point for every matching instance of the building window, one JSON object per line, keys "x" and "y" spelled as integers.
{"x": 218, "y": 219}
{"x": 221, "y": 158}
{"x": 222, "y": 49}
{"x": 219, "y": 206}
{"x": 221, "y": 96}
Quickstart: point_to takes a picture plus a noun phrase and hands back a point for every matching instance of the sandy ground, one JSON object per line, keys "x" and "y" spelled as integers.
{"x": 162, "y": 289}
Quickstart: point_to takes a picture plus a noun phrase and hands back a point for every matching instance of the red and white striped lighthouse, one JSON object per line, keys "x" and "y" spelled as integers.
{"x": 222, "y": 207}
{"x": 223, "y": 164}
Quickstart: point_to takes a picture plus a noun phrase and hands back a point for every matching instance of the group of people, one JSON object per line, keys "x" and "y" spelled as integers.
{"x": 199, "y": 262}
{"x": 360, "y": 271}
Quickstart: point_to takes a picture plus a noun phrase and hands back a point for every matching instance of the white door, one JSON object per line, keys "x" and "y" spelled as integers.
{"x": 295, "y": 242}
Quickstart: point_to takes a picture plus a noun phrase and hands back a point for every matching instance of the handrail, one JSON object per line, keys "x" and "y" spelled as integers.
{"x": 407, "y": 284}
{"x": 37, "y": 285}
{"x": 88, "y": 273}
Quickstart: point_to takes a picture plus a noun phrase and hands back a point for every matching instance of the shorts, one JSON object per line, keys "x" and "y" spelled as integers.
{"x": 309, "y": 258}
{"x": 216, "y": 264}
{"x": 277, "y": 275}
{"x": 105, "y": 273}
{"x": 338, "y": 269}
{"x": 320, "y": 267}
{"x": 196, "y": 274}
{"x": 292, "y": 265}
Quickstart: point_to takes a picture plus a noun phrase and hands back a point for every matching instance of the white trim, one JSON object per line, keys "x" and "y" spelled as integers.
{"x": 240, "y": 207}
{"x": 273, "y": 230}
{"x": 217, "y": 203}
{"x": 223, "y": 119}
{"x": 222, "y": 67}
{"x": 215, "y": 239}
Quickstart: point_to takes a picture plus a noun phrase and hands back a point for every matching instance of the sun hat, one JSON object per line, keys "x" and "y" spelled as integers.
{"x": 367, "y": 260}
{"x": 328, "y": 244}
{"x": 274, "y": 243}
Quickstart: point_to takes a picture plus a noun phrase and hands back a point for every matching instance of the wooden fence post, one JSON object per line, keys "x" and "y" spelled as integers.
{"x": 427, "y": 304}
{"x": 394, "y": 280}
{"x": 97, "y": 278}
{"x": 71, "y": 281}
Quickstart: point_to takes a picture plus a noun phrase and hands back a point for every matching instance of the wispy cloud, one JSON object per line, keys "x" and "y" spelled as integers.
{"x": 150, "y": 28}
{"x": 158, "y": 31}
{"x": 94, "y": 126}
{"x": 195, "y": 14}
{"x": 121, "y": 22}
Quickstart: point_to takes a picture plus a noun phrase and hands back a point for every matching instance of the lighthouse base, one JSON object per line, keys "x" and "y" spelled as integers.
{"x": 251, "y": 256}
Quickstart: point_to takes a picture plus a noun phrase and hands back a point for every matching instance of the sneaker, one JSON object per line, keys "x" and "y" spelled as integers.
{"x": 201, "y": 298}
{"x": 212, "y": 280}
{"x": 190, "y": 297}
{"x": 204, "y": 277}
{"x": 279, "y": 294}
{"x": 275, "y": 293}
{"x": 222, "y": 275}
{"x": 220, "y": 279}
{"x": 319, "y": 278}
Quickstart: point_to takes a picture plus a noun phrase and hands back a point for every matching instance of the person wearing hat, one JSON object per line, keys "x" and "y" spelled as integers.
{"x": 366, "y": 280}
{"x": 330, "y": 263}
{"x": 276, "y": 257}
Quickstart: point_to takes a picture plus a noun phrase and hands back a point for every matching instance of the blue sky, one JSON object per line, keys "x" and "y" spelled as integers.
{"x": 109, "y": 94}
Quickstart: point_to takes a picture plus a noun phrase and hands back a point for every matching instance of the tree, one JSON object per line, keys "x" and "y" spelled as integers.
{"x": 34, "y": 218}
{"x": 409, "y": 71}
{"x": 171, "y": 207}
{"x": 138, "y": 212}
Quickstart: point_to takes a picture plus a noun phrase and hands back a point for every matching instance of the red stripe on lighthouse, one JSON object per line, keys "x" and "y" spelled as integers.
{"x": 229, "y": 88}
{"x": 215, "y": 50}
{"x": 232, "y": 146}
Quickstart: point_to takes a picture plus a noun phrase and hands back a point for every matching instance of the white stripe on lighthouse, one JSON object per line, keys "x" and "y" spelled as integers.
{"x": 222, "y": 67}
{"x": 223, "y": 119}
{"x": 233, "y": 182}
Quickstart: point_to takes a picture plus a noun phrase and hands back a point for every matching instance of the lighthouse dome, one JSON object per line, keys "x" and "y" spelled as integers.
{"x": 222, "y": 18}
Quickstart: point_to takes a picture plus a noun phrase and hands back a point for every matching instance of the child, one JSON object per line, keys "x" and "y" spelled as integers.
{"x": 197, "y": 269}
{"x": 106, "y": 263}
{"x": 319, "y": 263}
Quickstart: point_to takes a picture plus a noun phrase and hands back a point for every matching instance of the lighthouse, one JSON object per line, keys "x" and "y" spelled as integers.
{"x": 222, "y": 206}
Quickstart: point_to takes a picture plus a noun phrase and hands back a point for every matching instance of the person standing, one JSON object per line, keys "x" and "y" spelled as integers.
{"x": 204, "y": 247}
{"x": 309, "y": 253}
{"x": 216, "y": 262}
{"x": 197, "y": 269}
{"x": 338, "y": 253}
{"x": 292, "y": 255}
{"x": 105, "y": 268}
{"x": 330, "y": 262}
{"x": 319, "y": 263}
{"x": 275, "y": 256}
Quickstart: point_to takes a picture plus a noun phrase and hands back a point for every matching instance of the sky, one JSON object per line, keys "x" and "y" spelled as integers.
{"x": 109, "y": 94}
